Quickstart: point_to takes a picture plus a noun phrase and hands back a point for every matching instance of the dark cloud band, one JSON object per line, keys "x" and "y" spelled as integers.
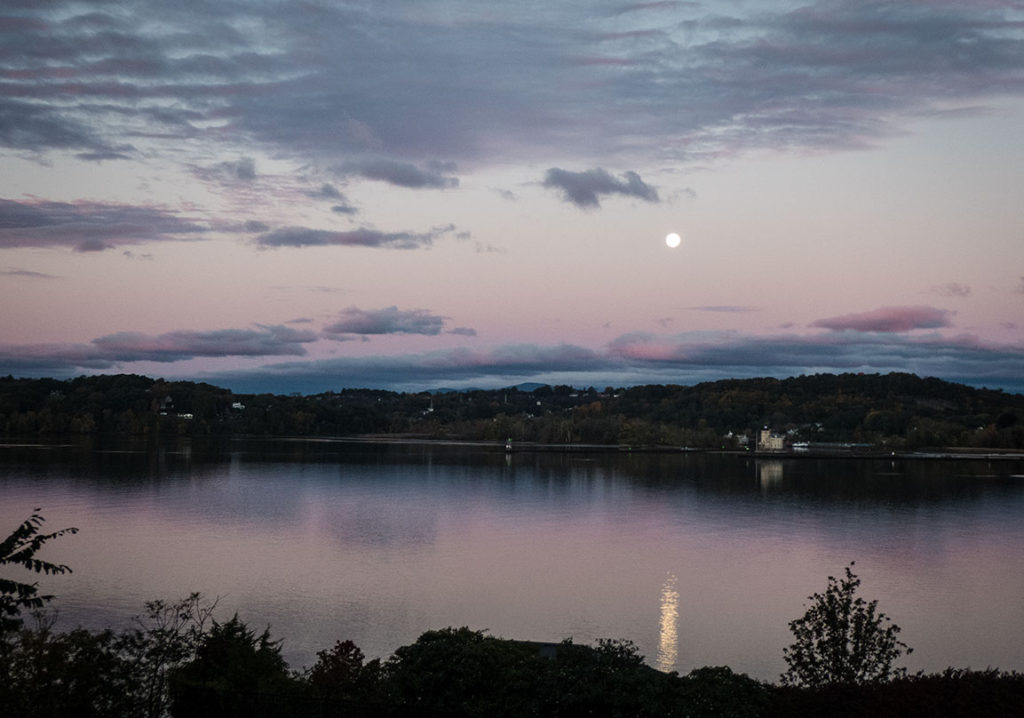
{"x": 403, "y": 174}
{"x": 631, "y": 359}
{"x": 390, "y": 320}
{"x": 362, "y": 237}
{"x": 88, "y": 226}
{"x": 584, "y": 189}
{"x": 684, "y": 80}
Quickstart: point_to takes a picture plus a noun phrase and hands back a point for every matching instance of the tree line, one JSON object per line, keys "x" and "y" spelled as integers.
{"x": 896, "y": 410}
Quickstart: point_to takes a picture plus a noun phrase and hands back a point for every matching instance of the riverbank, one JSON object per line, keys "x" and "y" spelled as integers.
{"x": 824, "y": 451}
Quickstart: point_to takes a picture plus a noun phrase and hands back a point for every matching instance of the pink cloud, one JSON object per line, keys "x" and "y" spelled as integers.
{"x": 889, "y": 319}
{"x": 645, "y": 347}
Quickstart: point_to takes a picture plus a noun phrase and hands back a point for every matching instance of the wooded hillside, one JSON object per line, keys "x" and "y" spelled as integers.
{"x": 893, "y": 410}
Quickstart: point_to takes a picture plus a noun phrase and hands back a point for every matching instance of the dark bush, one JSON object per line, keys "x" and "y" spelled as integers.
{"x": 235, "y": 673}
{"x": 954, "y": 693}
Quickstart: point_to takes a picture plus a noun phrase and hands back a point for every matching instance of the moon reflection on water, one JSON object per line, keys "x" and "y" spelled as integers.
{"x": 668, "y": 643}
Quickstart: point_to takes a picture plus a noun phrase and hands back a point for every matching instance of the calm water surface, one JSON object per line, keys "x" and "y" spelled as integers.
{"x": 700, "y": 559}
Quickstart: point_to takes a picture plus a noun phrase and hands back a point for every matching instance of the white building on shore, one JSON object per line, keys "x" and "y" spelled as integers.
{"x": 767, "y": 440}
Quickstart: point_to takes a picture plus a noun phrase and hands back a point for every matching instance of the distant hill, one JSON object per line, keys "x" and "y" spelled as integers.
{"x": 529, "y": 386}
{"x": 893, "y": 410}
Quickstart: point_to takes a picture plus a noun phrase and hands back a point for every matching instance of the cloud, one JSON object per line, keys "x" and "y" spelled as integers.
{"x": 254, "y": 225}
{"x": 92, "y": 245}
{"x": 403, "y": 174}
{"x": 462, "y": 331}
{"x": 499, "y": 366}
{"x": 889, "y": 319}
{"x": 114, "y": 350}
{"x": 736, "y": 354}
{"x": 325, "y": 191}
{"x": 389, "y": 320}
{"x": 649, "y": 358}
{"x": 241, "y": 170}
{"x": 724, "y": 308}
{"x": 698, "y": 356}
{"x": 583, "y": 189}
{"x": 14, "y": 272}
{"x": 952, "y": 289}
{"x": 121, "y": 153}
{"x": 51, "y": 359}
{"x": 329, "y": 192}
{"x": 636, "y": 358}
{"x": 641, "y": 6}
{"x": 319, "y": 288}
{"x": 39, "y": 128}
{"x": 88, "y": 226}
{"x": 380, "y": 90}
{"x": 679, "y": 81}
{"x": 1020, "y": 286}
{"x": 362, "y": 237}
{"x": 176, "y": 346}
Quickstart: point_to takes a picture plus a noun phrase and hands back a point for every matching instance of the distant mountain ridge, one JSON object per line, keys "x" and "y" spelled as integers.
{"x": 525, "y": 386}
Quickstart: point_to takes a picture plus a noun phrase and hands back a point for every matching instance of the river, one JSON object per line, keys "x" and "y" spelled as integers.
{"x": 700, "y": 559}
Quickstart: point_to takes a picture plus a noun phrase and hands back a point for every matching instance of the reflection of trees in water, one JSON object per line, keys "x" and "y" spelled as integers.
{"x": 113, "y": 460}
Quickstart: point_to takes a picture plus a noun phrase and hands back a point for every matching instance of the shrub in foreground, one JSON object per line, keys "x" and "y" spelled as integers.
{"x": 954, "y": 693}
{"x": 235, "y": 672}
{"x": 842, "y": 639}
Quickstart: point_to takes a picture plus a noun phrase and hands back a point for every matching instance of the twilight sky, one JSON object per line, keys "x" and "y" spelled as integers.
{"x": 305, "y": 196}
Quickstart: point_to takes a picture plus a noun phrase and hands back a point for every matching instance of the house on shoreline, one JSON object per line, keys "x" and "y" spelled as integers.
{"x": 768, "y": 440}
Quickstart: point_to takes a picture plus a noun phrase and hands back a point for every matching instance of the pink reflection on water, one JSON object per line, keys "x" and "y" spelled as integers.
{"x": 697, "y": 571}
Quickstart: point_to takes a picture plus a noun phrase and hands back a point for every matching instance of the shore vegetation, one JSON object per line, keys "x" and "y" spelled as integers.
{"x": 888, "y": 412}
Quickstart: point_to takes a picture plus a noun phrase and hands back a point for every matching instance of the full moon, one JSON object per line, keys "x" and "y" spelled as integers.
{"x": 672, "y": 240}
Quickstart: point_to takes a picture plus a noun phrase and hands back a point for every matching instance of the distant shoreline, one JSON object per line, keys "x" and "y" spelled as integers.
{"x": 519, "y": 447}
{"x": 526, "y": 447}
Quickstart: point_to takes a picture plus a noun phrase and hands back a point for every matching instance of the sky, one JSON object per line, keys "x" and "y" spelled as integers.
{"x": 311, "y": 196}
